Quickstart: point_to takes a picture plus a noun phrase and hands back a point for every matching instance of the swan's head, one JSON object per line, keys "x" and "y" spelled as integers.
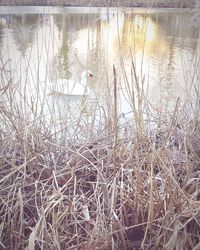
{"x": 87, "y": 74}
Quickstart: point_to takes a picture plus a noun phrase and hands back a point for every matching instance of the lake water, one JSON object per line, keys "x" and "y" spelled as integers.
{"x": 41, "y": 44}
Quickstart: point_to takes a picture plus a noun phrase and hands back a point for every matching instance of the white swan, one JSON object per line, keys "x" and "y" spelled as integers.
{"x": 72, "y": 88}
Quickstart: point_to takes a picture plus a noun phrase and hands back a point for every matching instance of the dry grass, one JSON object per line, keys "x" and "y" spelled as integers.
{"x": 127, "y": 187}
{"x": 121, "y": 184}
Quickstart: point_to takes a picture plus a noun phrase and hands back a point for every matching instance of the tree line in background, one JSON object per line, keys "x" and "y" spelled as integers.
{"x": 125, "y": 3}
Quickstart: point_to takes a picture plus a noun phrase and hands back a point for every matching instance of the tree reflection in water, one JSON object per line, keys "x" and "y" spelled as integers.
{"x": 58, "y": 45}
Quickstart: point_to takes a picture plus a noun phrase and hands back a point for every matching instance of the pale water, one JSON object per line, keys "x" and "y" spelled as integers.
{"x": 41, "y": 44}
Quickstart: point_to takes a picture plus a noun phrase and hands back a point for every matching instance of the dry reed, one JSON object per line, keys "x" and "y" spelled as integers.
{"x": 125, "y": 187}
{"x": 112, "y": 185}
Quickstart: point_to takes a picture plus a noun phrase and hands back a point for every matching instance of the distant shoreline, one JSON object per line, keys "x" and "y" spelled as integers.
{"x": 102, "y": 3}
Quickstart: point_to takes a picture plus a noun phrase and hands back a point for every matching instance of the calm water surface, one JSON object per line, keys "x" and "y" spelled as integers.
{"x": 39, "y": 45}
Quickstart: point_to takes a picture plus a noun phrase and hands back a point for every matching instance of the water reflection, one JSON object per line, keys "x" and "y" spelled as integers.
{"x": 23, "y": 34}
{"x": 45, "y": 47}
{"x": 60, "y": 60}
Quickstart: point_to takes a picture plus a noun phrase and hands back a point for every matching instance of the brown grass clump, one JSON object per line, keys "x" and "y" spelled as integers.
{"x": 128, "y": 186}
{"x": 129, "y": 193}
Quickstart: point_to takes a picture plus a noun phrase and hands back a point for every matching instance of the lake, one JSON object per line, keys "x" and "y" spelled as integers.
{"x": 39, "y": 45}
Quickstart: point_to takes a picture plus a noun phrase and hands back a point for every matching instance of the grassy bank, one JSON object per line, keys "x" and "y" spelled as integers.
{"x": 129, "y": 185}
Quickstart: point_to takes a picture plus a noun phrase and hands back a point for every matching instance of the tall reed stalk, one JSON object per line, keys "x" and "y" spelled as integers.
{"x": 70, "y": 184}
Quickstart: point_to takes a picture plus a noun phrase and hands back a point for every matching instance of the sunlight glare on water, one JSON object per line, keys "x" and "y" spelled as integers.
{"x": 47, "y": 44}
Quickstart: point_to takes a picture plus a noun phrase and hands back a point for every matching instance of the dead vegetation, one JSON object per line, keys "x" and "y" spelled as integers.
{"x": 122, "y": 189}
{"x": 127, "y": 185}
